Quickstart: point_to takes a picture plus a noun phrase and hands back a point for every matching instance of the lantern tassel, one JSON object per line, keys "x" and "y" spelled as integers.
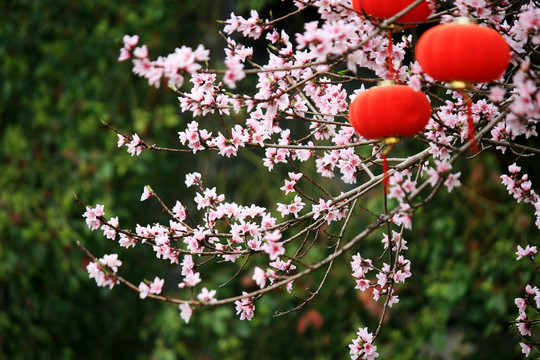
{"x": 386, "y": 179}
{"x": 390, "y": 141}
{"x": 390, "y": 53}
{"x": 470, "y": 123}
{"x": 470, "y": 126}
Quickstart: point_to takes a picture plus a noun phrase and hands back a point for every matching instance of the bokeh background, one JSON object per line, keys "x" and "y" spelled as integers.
{"x": 59, "y": 79}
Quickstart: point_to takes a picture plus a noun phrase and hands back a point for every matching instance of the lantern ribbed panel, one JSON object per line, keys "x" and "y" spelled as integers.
{"x": 466, "y": 52}
{"x": 384, "y": 9}
{"x": 386, "y": 111}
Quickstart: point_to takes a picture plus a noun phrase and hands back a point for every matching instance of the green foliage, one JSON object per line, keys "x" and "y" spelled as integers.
{"x": 60, "y": 78}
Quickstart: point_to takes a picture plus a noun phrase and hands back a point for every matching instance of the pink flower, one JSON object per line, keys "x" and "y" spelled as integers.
{"x": 528, "y": 251}
{"x": 282, "y": 265}
{"x": 207, "y": 296}
{"x": 111, "y": 261}
{"x": 192, "y": 279}
{"x": 126, "y": 241}
{"x": 288, "y": 187}
{"x": 147, "y": 192}
{"x": 179, "y": 211}
{"x": 193, "y": 179}
{"x": 273, "y": 236}
{"x": 273, "y": 37}
{"x": 514, "y": 169}
{"x": 121, "y": 140}
{"x": 141, "y": 52}
{"x": 98, "y": 211}
{"x": 232, "y": 24}
{"x": 202, "y": 202}
{"x": 296, "y": 206}
{"x": 376, "y": 294}
{"x": 250, "y": 27}
{"x": 382, "y": 279}
{"x": 260, "y": 277}
{"x": 93, "y": 270}
{"x": 245, "y": 308}
{"x": 187, "y": 265}
{"x": 105, "y": 277}
{"x": 400, "y": 276}
{"x": 521, "y": 304}
{"x": 531, "y": 290}
{"x": 396, "y": 192}
{"x": 289, "y": 286}
{"x": 135, "y": 146}
{"x": 108, "y": 231}
{"x": 234, "y": 73}
{"x": 362, "y": 346}
{"x": 452, "y": 181}
{"x": 525, "y": 349}
{"x": 496, "y": 94}
{"x": 443, "y": 166}
{"x": 92, "y": 216}
{"x": 156, "y": 286}
{"x": 362, "y": 284}
{"x": 283, "y": 209}
{"x": 143, "y": 290}
{"x": 254, "y": 244}
{"x": 394, "y": 299}
{"x": 186, "y": 312}
{"x": 130, "y": 41}
{"x": 537, "y": 299}
{"x": 295, "y": 176}
{"x": 360, "y": 266}
{"x": 523, "y": 324}
{"x": 433, "y": 176}
{"x": 320, "y": 208}
{"x": 396, "y": 239}
{"x": 124, "y": 54}
{"x": 208, "y": 198}
{"x": 267, "y": 222}
{"x": 273, "y": 249}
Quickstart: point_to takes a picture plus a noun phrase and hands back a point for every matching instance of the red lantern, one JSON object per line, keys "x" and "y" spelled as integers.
{"x": 384, "y": 9}
{"x": 463, "y": 51}
{"x": 389, "y": 110}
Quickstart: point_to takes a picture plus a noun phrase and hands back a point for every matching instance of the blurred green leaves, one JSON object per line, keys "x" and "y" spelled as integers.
{"x": 60, "y": 79}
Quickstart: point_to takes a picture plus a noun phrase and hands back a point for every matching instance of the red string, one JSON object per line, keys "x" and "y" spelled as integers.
{"x": 470, "y": 123}
{"x": 390, "y": 52}
{"x": 385, "y": 180}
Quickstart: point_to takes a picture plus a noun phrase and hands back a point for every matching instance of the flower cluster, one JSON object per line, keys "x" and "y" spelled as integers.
{"x": 330, "y": 212}
{"x": 525, "y": 109}
{"x": 154, "y": 287}
{"x": 388, "y": 275}
{"x": 134, "y": 144}
{"x": 528, "y": 251}
{"x": 93, "y": 216}
{"x": 523, "y": 321}
{"x": 520, "y": 187}
{"x": 245, "y": 308}
{"x": 104, "y": 270}
{"x": 362, "y": 346}
{"x": 171, "y": 68}
{"x": 251, "y": 27}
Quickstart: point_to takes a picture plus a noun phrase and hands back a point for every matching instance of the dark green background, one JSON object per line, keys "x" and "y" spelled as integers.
{"x": 59, "y": 78}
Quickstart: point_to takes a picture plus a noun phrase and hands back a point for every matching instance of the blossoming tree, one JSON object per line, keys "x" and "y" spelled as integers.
{"x": 295, "y": 120}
